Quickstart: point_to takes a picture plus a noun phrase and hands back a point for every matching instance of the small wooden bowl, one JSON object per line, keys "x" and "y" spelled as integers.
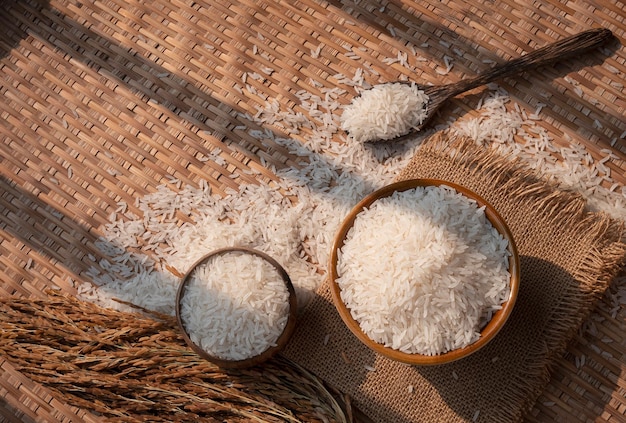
{"x": 268, "y": 353}
{"x": 488, "y": 332}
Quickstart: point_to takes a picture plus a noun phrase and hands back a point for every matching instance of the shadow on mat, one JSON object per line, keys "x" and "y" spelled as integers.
{"x": 12, "y": 35}
{"x": 500, "y": 382}
{"x": 34, "y": 219}
{"x": 414, "y": 31}
{"x": 45, "y": 229}
{"x": 323, "y": 345}
{"x": 550, "y": 307}
{"x": 183, "y": 97}
{"x": 12, "y": 415}
{"x": 147, "y": 78}
{"x": 196, "y": 104}
{"x": 141, "y": 76}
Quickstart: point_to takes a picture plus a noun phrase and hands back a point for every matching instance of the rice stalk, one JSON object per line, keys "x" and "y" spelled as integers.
{"x": 133, "y": 367}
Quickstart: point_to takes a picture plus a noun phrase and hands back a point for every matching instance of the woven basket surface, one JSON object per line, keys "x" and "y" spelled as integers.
{"x": 103, "y": 100}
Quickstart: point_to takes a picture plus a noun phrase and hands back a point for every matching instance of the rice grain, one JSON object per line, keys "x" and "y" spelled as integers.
{"x": 384, "y": 112}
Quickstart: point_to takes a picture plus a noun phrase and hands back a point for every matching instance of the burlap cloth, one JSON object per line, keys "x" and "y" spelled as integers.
{"x": 568, "y": 258}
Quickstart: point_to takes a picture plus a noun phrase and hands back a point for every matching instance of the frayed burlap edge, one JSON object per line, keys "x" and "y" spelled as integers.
{"x": 594, "y": 274}
{"x": 489, "y": 165}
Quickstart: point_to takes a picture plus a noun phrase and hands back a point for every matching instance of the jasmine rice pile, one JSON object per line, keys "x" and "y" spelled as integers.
{"x": 384, "y": 112}
{"x": 235, "y": 306}
{"x": 423, "y": 270}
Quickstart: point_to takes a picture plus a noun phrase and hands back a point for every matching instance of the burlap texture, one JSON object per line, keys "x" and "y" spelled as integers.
{"x": 568, "y": 258}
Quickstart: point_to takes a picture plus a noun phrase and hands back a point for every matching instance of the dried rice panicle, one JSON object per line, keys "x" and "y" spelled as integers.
{"x": 132, "y": 367}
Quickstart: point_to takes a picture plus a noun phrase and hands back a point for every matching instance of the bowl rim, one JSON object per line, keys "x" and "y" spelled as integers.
{"x": 268, "y": 353}
{"x": 488, "y": 332}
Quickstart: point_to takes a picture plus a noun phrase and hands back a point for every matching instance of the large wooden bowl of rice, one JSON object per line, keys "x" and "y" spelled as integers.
{"x": 424, "y": 271}
{"x": 236, "y": 307}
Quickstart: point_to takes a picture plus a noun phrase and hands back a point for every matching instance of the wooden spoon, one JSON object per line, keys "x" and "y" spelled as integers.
{"x": 439, "y": 94}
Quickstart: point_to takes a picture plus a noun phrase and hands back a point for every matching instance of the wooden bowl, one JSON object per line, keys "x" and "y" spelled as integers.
{"x": 492, "y": 327}
{"x": 268, "y": 353}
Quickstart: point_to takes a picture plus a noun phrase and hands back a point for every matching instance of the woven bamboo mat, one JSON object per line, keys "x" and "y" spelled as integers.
{"x": 103, "y": 100}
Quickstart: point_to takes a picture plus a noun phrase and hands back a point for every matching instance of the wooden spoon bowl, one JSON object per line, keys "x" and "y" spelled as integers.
{"x": 567, "y": 47}
{"x": 488, "y": 332}
{"x": 269, "y": 352}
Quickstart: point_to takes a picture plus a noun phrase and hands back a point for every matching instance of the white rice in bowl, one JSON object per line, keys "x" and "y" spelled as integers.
{"x": 384, "y": 112}
{"x": 235, "y": 306}
{"x": 423, "y": 270}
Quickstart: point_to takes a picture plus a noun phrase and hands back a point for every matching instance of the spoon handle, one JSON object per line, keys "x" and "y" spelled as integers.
{"x": 564, "y": 48}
